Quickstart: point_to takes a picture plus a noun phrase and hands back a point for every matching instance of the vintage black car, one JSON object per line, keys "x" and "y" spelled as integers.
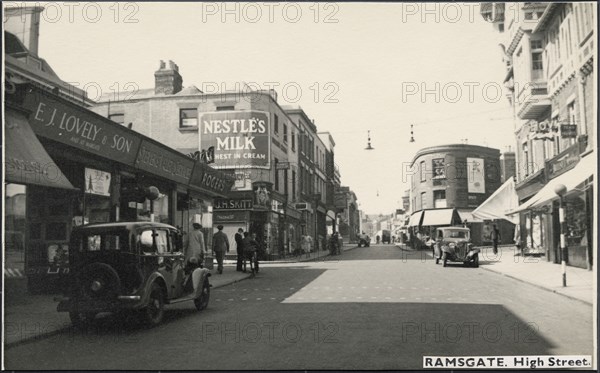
{"x": 130, "y": 266}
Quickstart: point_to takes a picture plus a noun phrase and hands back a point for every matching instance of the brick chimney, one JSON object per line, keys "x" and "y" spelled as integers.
{"x": 167, "y": 80}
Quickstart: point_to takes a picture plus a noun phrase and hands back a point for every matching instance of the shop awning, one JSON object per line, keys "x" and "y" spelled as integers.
{"x": 502, "y": 201}
{"x": 438, "y": 217}
{"x": 571, "y": 179}
{"x": 415, "y": 219}
{"x": 468, "y": 216}
{"x": 27, "y": 162}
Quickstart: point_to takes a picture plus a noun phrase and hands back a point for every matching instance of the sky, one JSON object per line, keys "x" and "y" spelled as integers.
{"x": 352, "y": 67}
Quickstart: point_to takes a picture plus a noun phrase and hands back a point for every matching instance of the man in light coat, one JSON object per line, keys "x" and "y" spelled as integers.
{"x": 196, "y": 249}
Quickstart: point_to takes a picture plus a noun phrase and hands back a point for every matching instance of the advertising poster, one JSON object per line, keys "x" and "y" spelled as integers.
{"x": 476, "y": 179}
{"x": 97, "y": 182}
{"x": 239, "y": 138}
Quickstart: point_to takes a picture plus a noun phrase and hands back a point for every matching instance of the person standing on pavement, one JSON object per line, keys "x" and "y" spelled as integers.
{"x": 220, "y": 247}
{"x": 239, "y": 241}
{"x": 195, "y": 248}
{"x": 250, "y": 251}
{"x": 495, "y": 238}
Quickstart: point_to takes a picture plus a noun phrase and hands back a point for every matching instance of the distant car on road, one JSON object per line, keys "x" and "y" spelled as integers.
{"x": 364, "y": 240}
{"x": 386, "y": 236}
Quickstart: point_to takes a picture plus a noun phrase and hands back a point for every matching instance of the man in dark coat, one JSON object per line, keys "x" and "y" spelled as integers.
{"x": 495, "y": 238}
{"x": 239, "y": 241}
{"x": 220, "y": 247}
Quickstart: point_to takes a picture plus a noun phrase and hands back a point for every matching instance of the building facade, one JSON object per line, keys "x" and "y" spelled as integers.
{"x": 273, "y": 152}
{"x": 456, "y": 176}
{"x": 549, "y": 49}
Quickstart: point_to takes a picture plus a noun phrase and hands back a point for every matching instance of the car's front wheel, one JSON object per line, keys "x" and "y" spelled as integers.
{"x": 202, "y": 301}
{"x": 476, "y": 261}
{"x": 154, "y": 312}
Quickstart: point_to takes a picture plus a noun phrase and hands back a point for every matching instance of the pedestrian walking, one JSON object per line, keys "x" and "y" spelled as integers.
{"x": 250, "y": 251}
{"x": 195, "y": 250}
{"x": 220, "y": 247}
{"x": 239, "y": 242}
{"x": 495, "y": 238}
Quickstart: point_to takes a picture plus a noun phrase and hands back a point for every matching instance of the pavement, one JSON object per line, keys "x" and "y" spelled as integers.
{"x": 32, "y": 317}
{"x": 538, "y": 271}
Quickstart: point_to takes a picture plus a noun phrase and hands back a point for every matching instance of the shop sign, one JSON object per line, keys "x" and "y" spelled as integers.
{"x": 340, "y": 200}
{"x": 276, "y": 206}
{"x": 164, "y": 162}
{"x": 81, "y": 129}
{"x": 243, "y": 180}
{"x": 562, "y": 162}
{"x": 262, "y": 194}
{"x": 545, "y": 126}
{"x": 475, "y": 176}
{"x": 568, "y": 131}
{"x": 283, "y": 165}
{"x": 229, "y": 216}
{"x": 97, "y": 182}
{"x": 232, "y": 204}
{"x": 238, "y": 137}
{"x": 210, "y": 179}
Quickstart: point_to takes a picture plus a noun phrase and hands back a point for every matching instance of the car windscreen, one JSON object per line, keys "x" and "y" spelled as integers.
{"x": 102, "y": 241}
{"x": 457, "y": 234}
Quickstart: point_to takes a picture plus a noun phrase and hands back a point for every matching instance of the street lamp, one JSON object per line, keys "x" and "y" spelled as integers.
{"x": 369, "y": 147}
{"x": 560, "y": 191}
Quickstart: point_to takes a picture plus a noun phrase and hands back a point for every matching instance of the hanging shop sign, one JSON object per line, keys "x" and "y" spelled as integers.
{"x": 475, "y": 175}
{"x": 164, "y": 162}
{"x": 232, "y": 204}
{"x": 97, "y": 182}
{"x": 239, "y": 138}
{"x": 568, "y": 131}
{"x": 80, "y": 128}
{"x": 262, "y": 194}
{"x": 562, "y": 162}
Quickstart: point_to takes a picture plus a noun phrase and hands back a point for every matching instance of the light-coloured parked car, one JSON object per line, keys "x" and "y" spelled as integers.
{"x": 454, "y": 244}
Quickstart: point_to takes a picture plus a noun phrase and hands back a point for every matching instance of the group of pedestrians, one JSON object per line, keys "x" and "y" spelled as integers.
{"x": 247, "y": 248}
{"x": 247, "y": 251}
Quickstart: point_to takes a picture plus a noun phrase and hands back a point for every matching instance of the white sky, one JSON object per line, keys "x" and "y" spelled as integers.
{"x": 367, "y": 57}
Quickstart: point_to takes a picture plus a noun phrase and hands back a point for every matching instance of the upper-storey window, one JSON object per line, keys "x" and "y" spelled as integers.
{"x": 188, "y": 118}
{"x": 117, "y": 118}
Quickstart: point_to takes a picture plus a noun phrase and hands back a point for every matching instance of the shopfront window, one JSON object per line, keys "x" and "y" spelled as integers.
{"x": 97, "y": 209}
{"x": 576, "y": 220}
{"x": 14, "y": 225}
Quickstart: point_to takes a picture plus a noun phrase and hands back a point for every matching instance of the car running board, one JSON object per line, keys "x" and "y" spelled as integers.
{"x": 179, "y": 300}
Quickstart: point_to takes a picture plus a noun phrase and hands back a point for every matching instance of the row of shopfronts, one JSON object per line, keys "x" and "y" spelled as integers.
{"x": 66, "y": 166}
{"x": 527, "y": 214}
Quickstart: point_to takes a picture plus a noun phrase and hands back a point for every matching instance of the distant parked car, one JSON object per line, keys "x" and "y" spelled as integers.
{"x": 130, "y": 266}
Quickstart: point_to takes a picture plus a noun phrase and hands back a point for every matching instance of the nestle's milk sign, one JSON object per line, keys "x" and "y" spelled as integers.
{"x": 240, "y": 138}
